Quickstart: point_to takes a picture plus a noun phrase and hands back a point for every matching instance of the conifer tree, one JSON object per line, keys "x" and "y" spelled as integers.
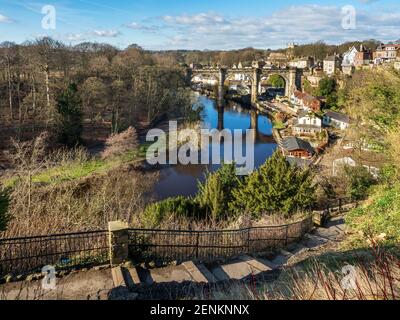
{"x": 275, "y": 187}
{"x": 69, "y": 116}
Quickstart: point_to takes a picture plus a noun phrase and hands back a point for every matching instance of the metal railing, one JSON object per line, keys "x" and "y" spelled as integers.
{"x": 30, "y": 254}
{"x": 63, "y": 251}
{"x": 181, "y": 245}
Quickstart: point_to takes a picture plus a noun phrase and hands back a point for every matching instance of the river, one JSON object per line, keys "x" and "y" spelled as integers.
{"x": 183, "y": 179}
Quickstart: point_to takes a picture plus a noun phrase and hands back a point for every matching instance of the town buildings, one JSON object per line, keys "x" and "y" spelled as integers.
{"x": 386, "y": 53}
{"x": 356, "y": 58}
{"x": 304, "y": 101}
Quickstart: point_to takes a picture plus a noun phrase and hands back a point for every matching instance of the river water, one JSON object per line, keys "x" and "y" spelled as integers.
{"x": 183, "y": 179}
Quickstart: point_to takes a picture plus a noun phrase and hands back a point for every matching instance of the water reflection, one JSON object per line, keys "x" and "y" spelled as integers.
{"x": 182, "y": 179}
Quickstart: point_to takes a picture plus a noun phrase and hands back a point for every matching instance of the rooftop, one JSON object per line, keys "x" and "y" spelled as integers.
{"x": 338, "y": 116}
{"x": 294, "y": 143}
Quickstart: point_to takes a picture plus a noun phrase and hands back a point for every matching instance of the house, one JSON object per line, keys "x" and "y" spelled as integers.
{"x": 302, "y": 63}
{"x": 386, "y": 53}
{"x": 201, "y": 79}
{"x": 241, "y": 77}
{"x": 349, "y": 57}
{"x": 296, "y": 147}
{"x": 335, "y": 119}
{"x": 363, "y": 57}
{"x": 331, "y": 64}
{"x": 307, "y": 123}
{"x": 305, "y": 101}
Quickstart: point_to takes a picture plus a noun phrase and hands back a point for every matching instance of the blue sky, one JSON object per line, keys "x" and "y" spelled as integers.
{"x": 205, "y": 24}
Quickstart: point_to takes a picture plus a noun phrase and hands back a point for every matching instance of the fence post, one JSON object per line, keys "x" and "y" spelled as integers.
{"x": 248, "y": 240}
{"x": 118, "y": 242}
{"x": 287, "y": 234}
{"x": 197, "y": 244}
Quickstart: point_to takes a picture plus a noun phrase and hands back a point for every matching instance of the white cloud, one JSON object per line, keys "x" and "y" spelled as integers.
{"x": 139, "y": 26}
{"x": 201, "y": 18}
{"x": 76, "y": 37}
{"x": 4, "y": 19}
{"x": 106, "y": 33}
{"x": 304, "y": 24}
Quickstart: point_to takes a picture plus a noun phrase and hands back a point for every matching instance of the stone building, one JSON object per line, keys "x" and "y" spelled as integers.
{"x": 332, "y": 64}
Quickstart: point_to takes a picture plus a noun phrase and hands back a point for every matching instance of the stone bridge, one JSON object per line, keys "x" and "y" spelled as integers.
{"x": 291, "y": 76}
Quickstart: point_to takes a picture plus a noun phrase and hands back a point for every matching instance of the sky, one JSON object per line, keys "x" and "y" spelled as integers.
{"x": 200, "y": 24}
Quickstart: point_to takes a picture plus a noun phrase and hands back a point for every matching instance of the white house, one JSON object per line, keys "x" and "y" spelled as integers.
{"x": 331, "y": 64}
{"x": 241, "y": 77}
{"x": 349, "y": 57}
{"x": 302, "y": 63}
{"x": 349, "y": 60}
{"x": 307, "y": 123}
{"x": 337, "y": 120}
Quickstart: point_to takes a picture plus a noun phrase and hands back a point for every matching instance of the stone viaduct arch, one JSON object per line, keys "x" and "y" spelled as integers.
{"x": 292, "y": 77}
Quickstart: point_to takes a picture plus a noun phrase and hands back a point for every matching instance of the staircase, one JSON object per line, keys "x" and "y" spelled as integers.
{"x": 191, "y": 276}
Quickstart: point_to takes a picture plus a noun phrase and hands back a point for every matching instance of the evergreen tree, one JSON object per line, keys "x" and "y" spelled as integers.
{"x": 215, "y": 193}
{"x": 69, "y": 116}
{"x": 275, "y": 187}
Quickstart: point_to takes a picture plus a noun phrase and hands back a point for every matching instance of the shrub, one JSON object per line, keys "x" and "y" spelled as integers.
{"x": 215, "y": 193}
{"x": 275, "y": 187}
{"x": 179, "y": 206}
{"x": 120, "y": 143}
{"x": 359, "y": 181}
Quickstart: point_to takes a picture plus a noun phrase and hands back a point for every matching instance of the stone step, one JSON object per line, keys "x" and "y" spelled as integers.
{"x": 207, "y": 273}
{"x": 118, "y": 277}
{"x": 194, "y": 271}
{"x": 268, "y": 263}
{"x": 235, "y": 270}
{"x": 256, "y": 263}
{"x": 313, "y": 241}
{"x": 131, "y": 277}
{"x": 280, "y": 260}
{"x": 298, "y": 248}
{"x": 219, "y": 273}
{"x": 167, "y": 274}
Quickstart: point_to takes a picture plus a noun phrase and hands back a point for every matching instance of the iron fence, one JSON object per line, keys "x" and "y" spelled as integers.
{"x": 30, "y": 254}
{"x": 181, "y": 245}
